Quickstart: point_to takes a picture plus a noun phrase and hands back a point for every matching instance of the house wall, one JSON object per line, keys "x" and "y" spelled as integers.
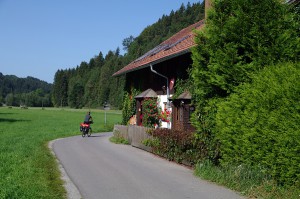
{"x": 174, "y": 68}
{"x": 144, "y": 79}
{"x": 162, "y": 103}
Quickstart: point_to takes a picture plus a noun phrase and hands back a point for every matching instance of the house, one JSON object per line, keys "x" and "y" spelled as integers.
{"x": 155, "y": 74}
{"x": 159, "y": 69}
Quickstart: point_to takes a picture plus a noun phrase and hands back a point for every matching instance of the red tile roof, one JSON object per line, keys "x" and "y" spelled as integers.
{"x": 178, "y": 44}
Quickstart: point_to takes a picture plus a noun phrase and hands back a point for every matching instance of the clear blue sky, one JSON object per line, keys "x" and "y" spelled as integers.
{"x": 38, "y": 37}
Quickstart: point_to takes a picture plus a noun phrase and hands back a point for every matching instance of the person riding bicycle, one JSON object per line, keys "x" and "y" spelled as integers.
{"x": 88, "y": 118}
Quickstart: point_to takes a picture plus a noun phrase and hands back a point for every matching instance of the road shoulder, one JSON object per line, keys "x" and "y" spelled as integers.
{"x": 72, "y": 191}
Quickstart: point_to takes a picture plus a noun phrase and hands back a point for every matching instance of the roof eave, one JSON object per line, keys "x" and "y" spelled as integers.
{"x": 154, "y": 62}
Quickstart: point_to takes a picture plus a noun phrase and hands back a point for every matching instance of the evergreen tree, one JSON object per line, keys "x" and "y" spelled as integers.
{"x": 92, "y": 64}
{"x": 105, "y": 77}
{"x": 99, "y": 60}
{"x": 127, "y": 41}
{"x": 76, "y": 93}
{"x": 117, "y": 86}
{"x": 90, "y": 94}
{"x": 240, "y": 38}
{"x": 60, "y": 89}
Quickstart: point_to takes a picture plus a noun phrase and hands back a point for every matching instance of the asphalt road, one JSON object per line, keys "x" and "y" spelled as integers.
{"x": 103, "y": 170}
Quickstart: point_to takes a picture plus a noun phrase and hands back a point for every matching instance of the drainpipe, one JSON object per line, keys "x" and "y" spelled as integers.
{"x": 168, "y": 91}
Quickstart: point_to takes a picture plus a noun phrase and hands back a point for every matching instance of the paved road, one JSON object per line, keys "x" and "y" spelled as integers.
{"x": 103, "y": 170}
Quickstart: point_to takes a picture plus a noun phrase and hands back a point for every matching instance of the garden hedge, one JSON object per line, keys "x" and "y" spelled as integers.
{"x": 259, "y": 125}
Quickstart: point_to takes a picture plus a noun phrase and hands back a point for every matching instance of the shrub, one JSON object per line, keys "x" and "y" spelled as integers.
{"x": 129, "y": 106}
{"x": 176, "y": 145}
{"x": 238, "y": 40}
{"x": 150, "y": 112}
{"x": 117, "y": 138}
{"x": 259, "y": 125}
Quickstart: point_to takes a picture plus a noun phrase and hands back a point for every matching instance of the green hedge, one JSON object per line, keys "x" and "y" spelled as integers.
{"x": 150, "y": 112}
{"x": 259, "y": 125}
{"x": 129, "y": 105}
{"x": 177, "y": 145}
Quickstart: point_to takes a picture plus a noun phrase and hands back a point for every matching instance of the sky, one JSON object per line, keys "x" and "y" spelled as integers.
{"x": 39, "y": 37}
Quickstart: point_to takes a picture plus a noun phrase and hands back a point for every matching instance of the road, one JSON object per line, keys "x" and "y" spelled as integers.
{"x": 103, "y": 170}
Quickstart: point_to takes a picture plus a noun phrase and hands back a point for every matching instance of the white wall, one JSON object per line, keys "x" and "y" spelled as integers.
{"x": 162, "y": 99}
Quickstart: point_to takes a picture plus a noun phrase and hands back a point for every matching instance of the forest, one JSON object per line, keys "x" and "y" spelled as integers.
{"x": 90, "y": 84}
{"x": 29, "y": 91}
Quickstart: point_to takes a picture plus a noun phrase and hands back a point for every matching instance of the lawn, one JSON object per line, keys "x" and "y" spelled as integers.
{"x": 27, "y": 167}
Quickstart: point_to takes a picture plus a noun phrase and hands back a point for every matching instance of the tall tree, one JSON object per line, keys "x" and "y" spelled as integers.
{"x": 127, "y": 41}
{"x": 60, "y": 89}
{"x": 240, "y": 38}
{"x": 99, "y": 60}
{"x": 76, "y": 93}
{"x": 90, "y": 94}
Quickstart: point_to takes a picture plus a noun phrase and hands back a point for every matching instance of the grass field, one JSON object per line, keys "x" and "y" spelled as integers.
{"x": 27, "y": 167}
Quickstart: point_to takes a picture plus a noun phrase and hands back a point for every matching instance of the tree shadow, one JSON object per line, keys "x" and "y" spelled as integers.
{"x": 7, "y": 113}
{"x": 12, "y": 120}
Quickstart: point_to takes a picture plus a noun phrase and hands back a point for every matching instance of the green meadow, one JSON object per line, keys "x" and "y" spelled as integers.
{"x": 27, "y": 167}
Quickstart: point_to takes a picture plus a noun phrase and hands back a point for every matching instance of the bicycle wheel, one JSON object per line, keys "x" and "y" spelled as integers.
{"x": 83, "y": 132}
{"x": 89, "y": 132}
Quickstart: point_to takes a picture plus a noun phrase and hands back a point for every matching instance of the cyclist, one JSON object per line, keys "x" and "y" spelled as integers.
{"x": 88, "y": 118}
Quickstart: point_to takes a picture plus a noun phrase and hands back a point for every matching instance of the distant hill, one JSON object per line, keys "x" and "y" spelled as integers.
{"x": 29, "y": 91}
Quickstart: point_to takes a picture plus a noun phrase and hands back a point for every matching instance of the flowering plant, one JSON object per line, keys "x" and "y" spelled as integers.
{"x": 165, "y": 115}
{"x": 150, "y": 114}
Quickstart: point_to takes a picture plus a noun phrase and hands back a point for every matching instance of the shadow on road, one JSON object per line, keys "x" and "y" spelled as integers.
{"x": 95, "y": 136}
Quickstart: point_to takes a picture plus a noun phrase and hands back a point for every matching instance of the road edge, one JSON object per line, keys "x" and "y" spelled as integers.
{"x": 72, "y": 190}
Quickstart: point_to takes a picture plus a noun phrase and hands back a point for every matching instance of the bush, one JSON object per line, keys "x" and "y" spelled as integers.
{"x": 177, "y": 145}
{"x": 129, "y": 106}
{"x": 259, "y": 125}
{"x": 150, "y": 112}
{"x": 117, "y": 138}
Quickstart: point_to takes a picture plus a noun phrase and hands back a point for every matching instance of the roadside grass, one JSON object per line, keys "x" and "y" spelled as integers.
{"x": 250, "y": 182}
{"x": 117, "y": 138}
{"x": 27, "y": 167}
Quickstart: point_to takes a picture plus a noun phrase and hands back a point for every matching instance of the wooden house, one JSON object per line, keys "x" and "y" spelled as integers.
{"x": 159, "y": 69}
